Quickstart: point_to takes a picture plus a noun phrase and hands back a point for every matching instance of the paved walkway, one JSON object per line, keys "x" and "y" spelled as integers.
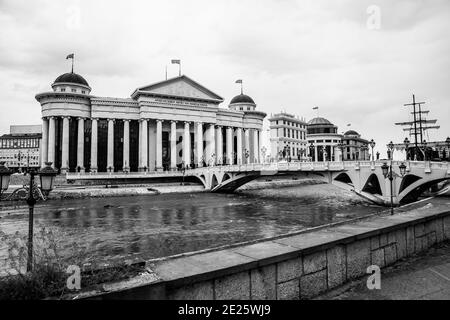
{"x": 424, "y": 277}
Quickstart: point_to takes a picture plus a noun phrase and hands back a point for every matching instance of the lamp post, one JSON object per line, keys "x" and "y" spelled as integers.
{"x": 425, "y": 150}
{"x": 390, "y": 147}
{"x": 388, "y": 173}
{"x": 372, "y": 145}
{"x": 47, "y": 175}
{"x": 5, "y": 176}
{"x": 247, "y": 155}
{"x": 406, "y": 143}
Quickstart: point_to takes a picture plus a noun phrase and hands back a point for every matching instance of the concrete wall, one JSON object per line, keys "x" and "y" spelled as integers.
{"x": 299, "y": 266}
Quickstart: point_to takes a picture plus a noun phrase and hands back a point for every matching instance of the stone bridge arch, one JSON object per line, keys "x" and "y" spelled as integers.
{"x": 373, "y": 185}
{"x": 415, "y": 189}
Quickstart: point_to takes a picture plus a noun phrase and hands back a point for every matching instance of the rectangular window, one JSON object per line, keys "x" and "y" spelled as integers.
{"x": 74, "y": 90}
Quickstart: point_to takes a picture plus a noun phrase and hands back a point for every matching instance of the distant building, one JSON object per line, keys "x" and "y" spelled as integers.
{"x": 21, "y": 147}
{"x": 287, "y": 136}
{"x": 323, "y": 140}
{"x": 355, "y": 148}
{"x": 163, "y": 126}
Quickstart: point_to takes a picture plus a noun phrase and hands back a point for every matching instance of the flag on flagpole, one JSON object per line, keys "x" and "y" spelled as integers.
{"x": 71, "y": 56}
{"x": 349, "y": 124}
{"x": 315, "y": 108}
{"x": 242, "y": 86}
{"x": 178, "y": 62}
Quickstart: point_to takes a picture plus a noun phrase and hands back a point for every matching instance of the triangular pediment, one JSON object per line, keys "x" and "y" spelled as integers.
{"x": 181, "y": 86}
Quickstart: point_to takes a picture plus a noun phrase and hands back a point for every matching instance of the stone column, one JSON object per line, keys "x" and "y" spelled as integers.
{"x": 159, "y": 166}
{"x": 110, "y": 158}
{"x": 44, "y": 143}
{"x": 51, "y": 141}
{"x": 94, "y": 146}
{"x": 126, "y": 146}
{"x": 229, "y": 146}
{"x": 211, "y": 159}
{"x": 247, "y": 145}
{"x": 239, "y": 145}
{"x": 173, "y": 145}
{"x": 65, "y": 146}
{"x": 143, "y": 145}
{"x": 219, "y": 145}
{"x": 80, "y": 145}
{"x": 139, "y": 145}
{"x": 199, "y": 139}
{"x": 316, "y": 153}
{"x": 255, "y": 146}
{"x": 187, "y": 145}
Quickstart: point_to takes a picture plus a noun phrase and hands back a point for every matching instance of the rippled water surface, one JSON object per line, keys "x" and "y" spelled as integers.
{"x": 145, "y": 227}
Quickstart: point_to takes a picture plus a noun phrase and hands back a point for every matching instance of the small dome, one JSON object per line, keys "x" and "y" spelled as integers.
{"x": 351, "y": 133}
{"x": 242, "y": 98}
{"x": 319, "y": 120}
{"x": 71, "y": 77}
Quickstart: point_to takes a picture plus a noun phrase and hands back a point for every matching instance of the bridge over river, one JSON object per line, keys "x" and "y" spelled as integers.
{"x": 363, "y": 177}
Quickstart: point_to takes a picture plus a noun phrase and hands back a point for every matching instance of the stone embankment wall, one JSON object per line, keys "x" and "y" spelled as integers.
{"x": 298, "y": 266}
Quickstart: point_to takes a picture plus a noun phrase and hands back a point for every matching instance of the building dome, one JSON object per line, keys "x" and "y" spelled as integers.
{"x": 351, "y": 133}
{"x": 71, "y": 77}
{"x": 318, "y": 120}
{"x": 242, "y": 98}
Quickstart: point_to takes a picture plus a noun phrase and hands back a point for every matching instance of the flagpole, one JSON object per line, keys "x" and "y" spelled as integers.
{"x": 179, "y": 69}
{"x": 73, "y": 58}
{"x": 242, "y": 87}
{"x": 166, "y": 71}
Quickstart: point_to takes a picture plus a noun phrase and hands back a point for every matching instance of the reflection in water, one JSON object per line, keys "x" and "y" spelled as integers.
{"x": 153, "y": 226}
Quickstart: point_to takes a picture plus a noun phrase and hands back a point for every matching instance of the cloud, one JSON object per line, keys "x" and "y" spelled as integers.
{"x": 291, "y": 54}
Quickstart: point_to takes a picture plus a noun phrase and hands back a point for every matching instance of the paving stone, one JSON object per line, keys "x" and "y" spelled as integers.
{"x": 263, "y": 283}
{"x": 377, "y": 257}
{"x": 233, "y": 287}
{"x": 264, "y": 250}
{"x": 336, "y": 266}
{"x": 288, "y": 290}
{"x": 440, "y": 230}
{"x": 313, "y": 284}
{"x": 419, "y": 230}
{"x": 289, "y": 269}
{"x": 199, "y": 291}
{"x": 410, "y": 241}
{"x": 383, "y": 239}
{"x": 374, "y": 242}
{"x": 314, "y": 262}
{"x": 400, "y": 236}
{"x": 446, "y": 222}
{"x": 358, "y": 258}
{"x": 390, "y": 254}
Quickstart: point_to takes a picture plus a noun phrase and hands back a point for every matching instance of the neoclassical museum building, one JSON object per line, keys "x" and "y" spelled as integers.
{"x": 163, "y": 126}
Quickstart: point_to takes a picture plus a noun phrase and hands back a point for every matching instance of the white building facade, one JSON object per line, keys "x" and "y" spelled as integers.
{"x": 287, "y": 136}
{"x": 168, "y": 125}
{"x": 323, "y": 140}
{"x": 21, "y": 147}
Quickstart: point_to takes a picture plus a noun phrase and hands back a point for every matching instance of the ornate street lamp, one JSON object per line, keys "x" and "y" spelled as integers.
{"x": 5, "y": 175}
{"x": 388, "y": 173}
{"x": 424, "y": 143}
{"x": 372, "y": 145}
{"x": 406, "y": 143}
{"x": 247, "y": 155}
{"x": 47, "y": 175}
{"x": 390, "y": 147}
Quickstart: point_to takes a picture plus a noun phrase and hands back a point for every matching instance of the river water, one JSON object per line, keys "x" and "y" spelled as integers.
{"x": 143, "y": 227}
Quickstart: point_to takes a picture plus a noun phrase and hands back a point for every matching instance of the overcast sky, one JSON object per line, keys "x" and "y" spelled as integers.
{"x": 358, "y": 63}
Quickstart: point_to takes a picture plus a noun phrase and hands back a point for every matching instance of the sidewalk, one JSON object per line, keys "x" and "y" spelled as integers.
{"x": 424, "y": 277}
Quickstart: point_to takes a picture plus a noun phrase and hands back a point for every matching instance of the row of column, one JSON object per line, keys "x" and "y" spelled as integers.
{"x": 211, "y": 155}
